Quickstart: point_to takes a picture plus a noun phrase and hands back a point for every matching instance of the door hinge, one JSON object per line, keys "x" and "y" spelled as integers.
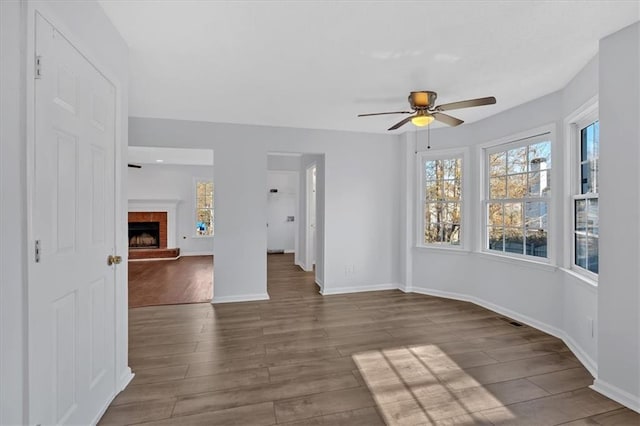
{"x": 38, "y": 69}
{"x": 37, "y": 251}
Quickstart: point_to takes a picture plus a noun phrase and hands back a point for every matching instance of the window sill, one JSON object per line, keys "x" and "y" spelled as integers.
{"x": 443, "y": 249}
{"x": 202, "y": 236}
{"x": 583, "y": 279}
{"x": 519, "y": 261}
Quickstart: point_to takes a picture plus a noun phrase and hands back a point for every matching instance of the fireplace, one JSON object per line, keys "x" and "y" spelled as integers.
{"x": 144, "y": 235}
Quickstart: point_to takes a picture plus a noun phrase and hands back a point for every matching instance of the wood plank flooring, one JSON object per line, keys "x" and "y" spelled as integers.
{"x": 166, "y": 282}
{"x": 357, "y": 359}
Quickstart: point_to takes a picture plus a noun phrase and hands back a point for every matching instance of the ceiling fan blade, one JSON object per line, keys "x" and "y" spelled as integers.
{"x": 401, "y": 123}
{"x": 447, "y": 119}
{"x": 466, "y": 104}
{"x": 135, "y": 166}
{"x": 385, "y": 113}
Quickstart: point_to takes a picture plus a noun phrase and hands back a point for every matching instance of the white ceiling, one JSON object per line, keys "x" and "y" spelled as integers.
{"x": 317, "y": 64}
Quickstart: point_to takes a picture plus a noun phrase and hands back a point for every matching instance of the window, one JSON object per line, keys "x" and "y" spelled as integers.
{"x": 585, "y": 202}
{"x": 204, "y": 208}
{"x": 441, "y": 200}
{"x": 518, "y": 177}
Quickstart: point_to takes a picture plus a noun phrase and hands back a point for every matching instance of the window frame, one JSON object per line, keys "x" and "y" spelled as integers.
{"x": 579, "y": 119}
{"x": 521, "y": 139}
{"x": 465, "y": 232}
{"x": 194, "y": 210}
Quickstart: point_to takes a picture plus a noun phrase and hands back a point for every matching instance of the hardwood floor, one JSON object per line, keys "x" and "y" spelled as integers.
{"x": 357, "y": 359}
{"x": 166, "y": 282}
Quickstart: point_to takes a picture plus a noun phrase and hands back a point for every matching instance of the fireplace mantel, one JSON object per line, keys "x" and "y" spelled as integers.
{"x": 151, "y": 205}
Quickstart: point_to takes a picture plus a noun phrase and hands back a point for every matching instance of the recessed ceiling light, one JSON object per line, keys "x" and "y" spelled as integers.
{"x": 159, "y": 161}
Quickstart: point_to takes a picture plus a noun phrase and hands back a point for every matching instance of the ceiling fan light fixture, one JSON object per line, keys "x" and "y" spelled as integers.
{"x": 422, "y": 120}
{"x": 420, "y": 98}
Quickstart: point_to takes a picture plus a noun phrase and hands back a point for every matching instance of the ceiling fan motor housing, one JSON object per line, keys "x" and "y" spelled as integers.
{"x": 422, "y": 100}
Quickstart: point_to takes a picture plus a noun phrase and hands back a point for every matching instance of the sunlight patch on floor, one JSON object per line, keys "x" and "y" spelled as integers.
{"x": 422, "y": 385}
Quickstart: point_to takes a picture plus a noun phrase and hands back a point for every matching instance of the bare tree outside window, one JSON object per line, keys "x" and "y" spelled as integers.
{"x": 519, "y": 185}
{"x": 204, "y": 208}
{"x": 442, "y": 201}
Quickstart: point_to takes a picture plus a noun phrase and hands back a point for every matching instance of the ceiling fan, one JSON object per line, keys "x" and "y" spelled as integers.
{"x": 424, "y": 112}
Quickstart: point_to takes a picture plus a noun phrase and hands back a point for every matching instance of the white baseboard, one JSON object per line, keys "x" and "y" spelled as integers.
{"x": 582, "y": 356}
{"x": 289, "y": 251}
{"x": 617, "y": 394}
{"x": 240, "y": 298}
{"x": 196, "y": 253}
{"x": 125, "y": 379}
{"x": 359, "y": 289}
{"x": 123, "y": 382}
{"x": 577, "y": 350}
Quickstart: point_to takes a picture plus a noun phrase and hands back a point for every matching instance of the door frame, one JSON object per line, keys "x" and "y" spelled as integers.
{"x": 308, "y": 261}
{"x": 123, "y": 374}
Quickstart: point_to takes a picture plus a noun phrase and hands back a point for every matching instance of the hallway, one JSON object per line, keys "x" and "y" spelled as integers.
{"x": 288, "y": 281}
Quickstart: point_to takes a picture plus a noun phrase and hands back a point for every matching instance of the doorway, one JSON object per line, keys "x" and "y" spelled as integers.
{"x": 170, "y": 190}
{"x": 311, "y": 210}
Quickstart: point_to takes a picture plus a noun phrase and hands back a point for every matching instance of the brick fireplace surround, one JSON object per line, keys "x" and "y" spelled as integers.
{"x": 155, "y": 253}
{"x": 160, "y": 217}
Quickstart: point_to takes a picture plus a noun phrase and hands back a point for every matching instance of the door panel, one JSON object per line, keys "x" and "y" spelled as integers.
{"x": 71, "y": 290}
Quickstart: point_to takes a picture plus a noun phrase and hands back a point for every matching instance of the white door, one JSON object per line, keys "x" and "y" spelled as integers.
{"x": 281, "y": 211}
{"x": 71, "y": 287}
{"x": 311, "y": 216}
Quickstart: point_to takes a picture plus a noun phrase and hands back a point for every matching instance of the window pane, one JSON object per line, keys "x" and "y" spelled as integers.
{"x": 498, "y": 164}
{"x": 592, "y": 217}
{"x": 513, "y": 240}
{"x": 589, "y": 154}
{"x": 451, "y": 233}
{"x": 430, "y": 170}
{"x": 452, "y": 168}
{"x": 592, "y": 250}
{"x": 581, "y": 251}
{"x": 432, "y": 233}
{"x": 540, "y": 156}
{"x": 452, "y": 189}
{"x": 535, "y": 215}
{"x": 496, "y": 235}
{"x": 538, "y": 184}
{"x": 498, "y": 188}
{"x": 517, "y": 160}
{"x": 516, "y": 186}
{"x": 452, "y": 213}
{"x": 513, "y": 214}
{"x": 433, "y": 213}
{"x": 537, "y": 243}
{"x": 204, "y": 222}
{"x": 495, "y": 215}
{"x": 433, "y": 191}
{"x": 581, "y": 215}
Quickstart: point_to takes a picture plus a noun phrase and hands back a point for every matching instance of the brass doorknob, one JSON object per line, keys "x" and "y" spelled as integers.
{"x": 114, "y": 260}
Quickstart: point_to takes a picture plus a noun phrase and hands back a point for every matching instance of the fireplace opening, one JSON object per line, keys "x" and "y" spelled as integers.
{"x": 144, "y": 235}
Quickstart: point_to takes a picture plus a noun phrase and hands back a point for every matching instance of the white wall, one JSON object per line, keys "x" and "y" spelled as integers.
{"x": 283, "y": 162}
{"x": 13, "y": 226}
{"x": 174, "y": 182}
{"x": 281, "y": 233}
{"x": 619, "y": 292}
{"x": 84, "y": 21}
{"x": 361, "y": 213}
